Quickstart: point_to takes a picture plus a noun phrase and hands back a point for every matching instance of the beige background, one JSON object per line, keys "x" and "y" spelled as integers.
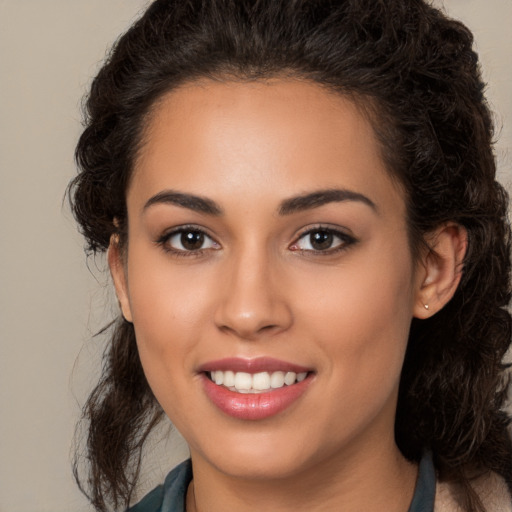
{"x": 50, "y": 303}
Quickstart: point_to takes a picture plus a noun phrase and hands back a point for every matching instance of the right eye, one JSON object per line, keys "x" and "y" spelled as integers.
{"x": 187, "y": 241}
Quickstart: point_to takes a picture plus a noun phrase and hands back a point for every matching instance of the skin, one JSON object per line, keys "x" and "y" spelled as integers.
{"x": 256, "y": 288}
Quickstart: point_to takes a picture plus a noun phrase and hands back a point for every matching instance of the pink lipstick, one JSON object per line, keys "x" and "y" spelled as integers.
{"x": 254, "y": 389}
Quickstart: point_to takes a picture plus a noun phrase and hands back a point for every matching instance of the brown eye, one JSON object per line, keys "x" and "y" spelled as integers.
{"x": 192, "y": 240}
{"x": 187, "y": 240}
{"x": 321, "y": 240}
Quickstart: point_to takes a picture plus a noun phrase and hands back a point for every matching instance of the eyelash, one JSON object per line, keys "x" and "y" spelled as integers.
{"x": 345, "y": 241}
{"x": 164, "y": 240}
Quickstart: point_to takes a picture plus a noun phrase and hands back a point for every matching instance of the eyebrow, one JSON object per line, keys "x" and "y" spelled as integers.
{"x": 322, "y": 197}
{"x": 287, "y": 207}
{"x": 189, "y": 201}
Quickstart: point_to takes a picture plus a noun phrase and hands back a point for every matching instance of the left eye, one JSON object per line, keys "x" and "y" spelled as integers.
{"x": 322, "y": 240}
{"x": 188, "y": 240}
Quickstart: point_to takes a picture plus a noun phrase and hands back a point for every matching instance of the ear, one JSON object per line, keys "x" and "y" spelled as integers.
{"x": 117, "y": 271}
{"x": 440, "y": 269}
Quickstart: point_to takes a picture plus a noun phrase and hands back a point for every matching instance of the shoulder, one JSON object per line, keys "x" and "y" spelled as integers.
{"x": 169, "y": 497}
{"x": 490, "y": 488}
{"x": 152, "y": 502}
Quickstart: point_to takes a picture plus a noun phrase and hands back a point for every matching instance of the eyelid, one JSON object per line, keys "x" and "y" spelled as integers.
{"x": 164, "y": 238}
{"x": 347, "y": 239}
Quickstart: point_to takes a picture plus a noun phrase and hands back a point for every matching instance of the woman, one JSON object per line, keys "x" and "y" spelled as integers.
{"x": 311, "y": 257}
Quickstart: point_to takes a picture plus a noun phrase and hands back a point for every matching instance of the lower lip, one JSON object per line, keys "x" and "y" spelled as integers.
{"x": 254, "y": 406}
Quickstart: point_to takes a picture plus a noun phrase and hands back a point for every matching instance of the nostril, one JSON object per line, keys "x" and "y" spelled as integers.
{"x": 268, "y": 327}
{"x": 250, "y": 332}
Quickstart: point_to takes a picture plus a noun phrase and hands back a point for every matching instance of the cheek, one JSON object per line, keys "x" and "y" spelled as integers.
{"x": 360, "y": 315}
{"x": 169, "y": 304}
{"x": 168, "y": 310}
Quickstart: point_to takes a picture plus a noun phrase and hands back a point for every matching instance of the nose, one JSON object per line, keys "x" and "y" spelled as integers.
{"x": 253, "y": 302}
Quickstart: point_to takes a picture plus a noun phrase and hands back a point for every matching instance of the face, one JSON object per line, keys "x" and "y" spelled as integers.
{"x": 267, "y": 251}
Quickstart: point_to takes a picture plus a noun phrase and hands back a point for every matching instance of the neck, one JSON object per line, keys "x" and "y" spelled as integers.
{"x": 383, "y": 480}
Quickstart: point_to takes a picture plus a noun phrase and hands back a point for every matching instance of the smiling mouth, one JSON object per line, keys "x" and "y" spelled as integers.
{"x": 254, "y": 389}
{"x": 261, "y": 382}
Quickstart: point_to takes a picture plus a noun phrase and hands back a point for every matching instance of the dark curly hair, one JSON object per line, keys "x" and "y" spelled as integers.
{"x": 416, "y": 73}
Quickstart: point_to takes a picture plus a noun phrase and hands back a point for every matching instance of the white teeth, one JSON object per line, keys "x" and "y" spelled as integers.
{"x": 244, "y": 382}
{"x": 229, "y": 379}
{"x": 300, "y": 376}
{"x": 261, "y": 381}
{"x": 277, "y": 380}
{"x": 289, "y": 378}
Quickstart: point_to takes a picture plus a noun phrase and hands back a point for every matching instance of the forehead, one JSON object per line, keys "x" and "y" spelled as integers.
{"x": 233, "y": 137}
{"x": 294, "y": 110}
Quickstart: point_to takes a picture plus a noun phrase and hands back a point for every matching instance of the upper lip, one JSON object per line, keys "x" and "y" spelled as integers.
{"x": 252, "y": 365}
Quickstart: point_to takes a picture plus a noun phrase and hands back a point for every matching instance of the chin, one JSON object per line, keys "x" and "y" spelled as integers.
{"x": 260, "y": 466}
{"x": 264, "y": 454}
